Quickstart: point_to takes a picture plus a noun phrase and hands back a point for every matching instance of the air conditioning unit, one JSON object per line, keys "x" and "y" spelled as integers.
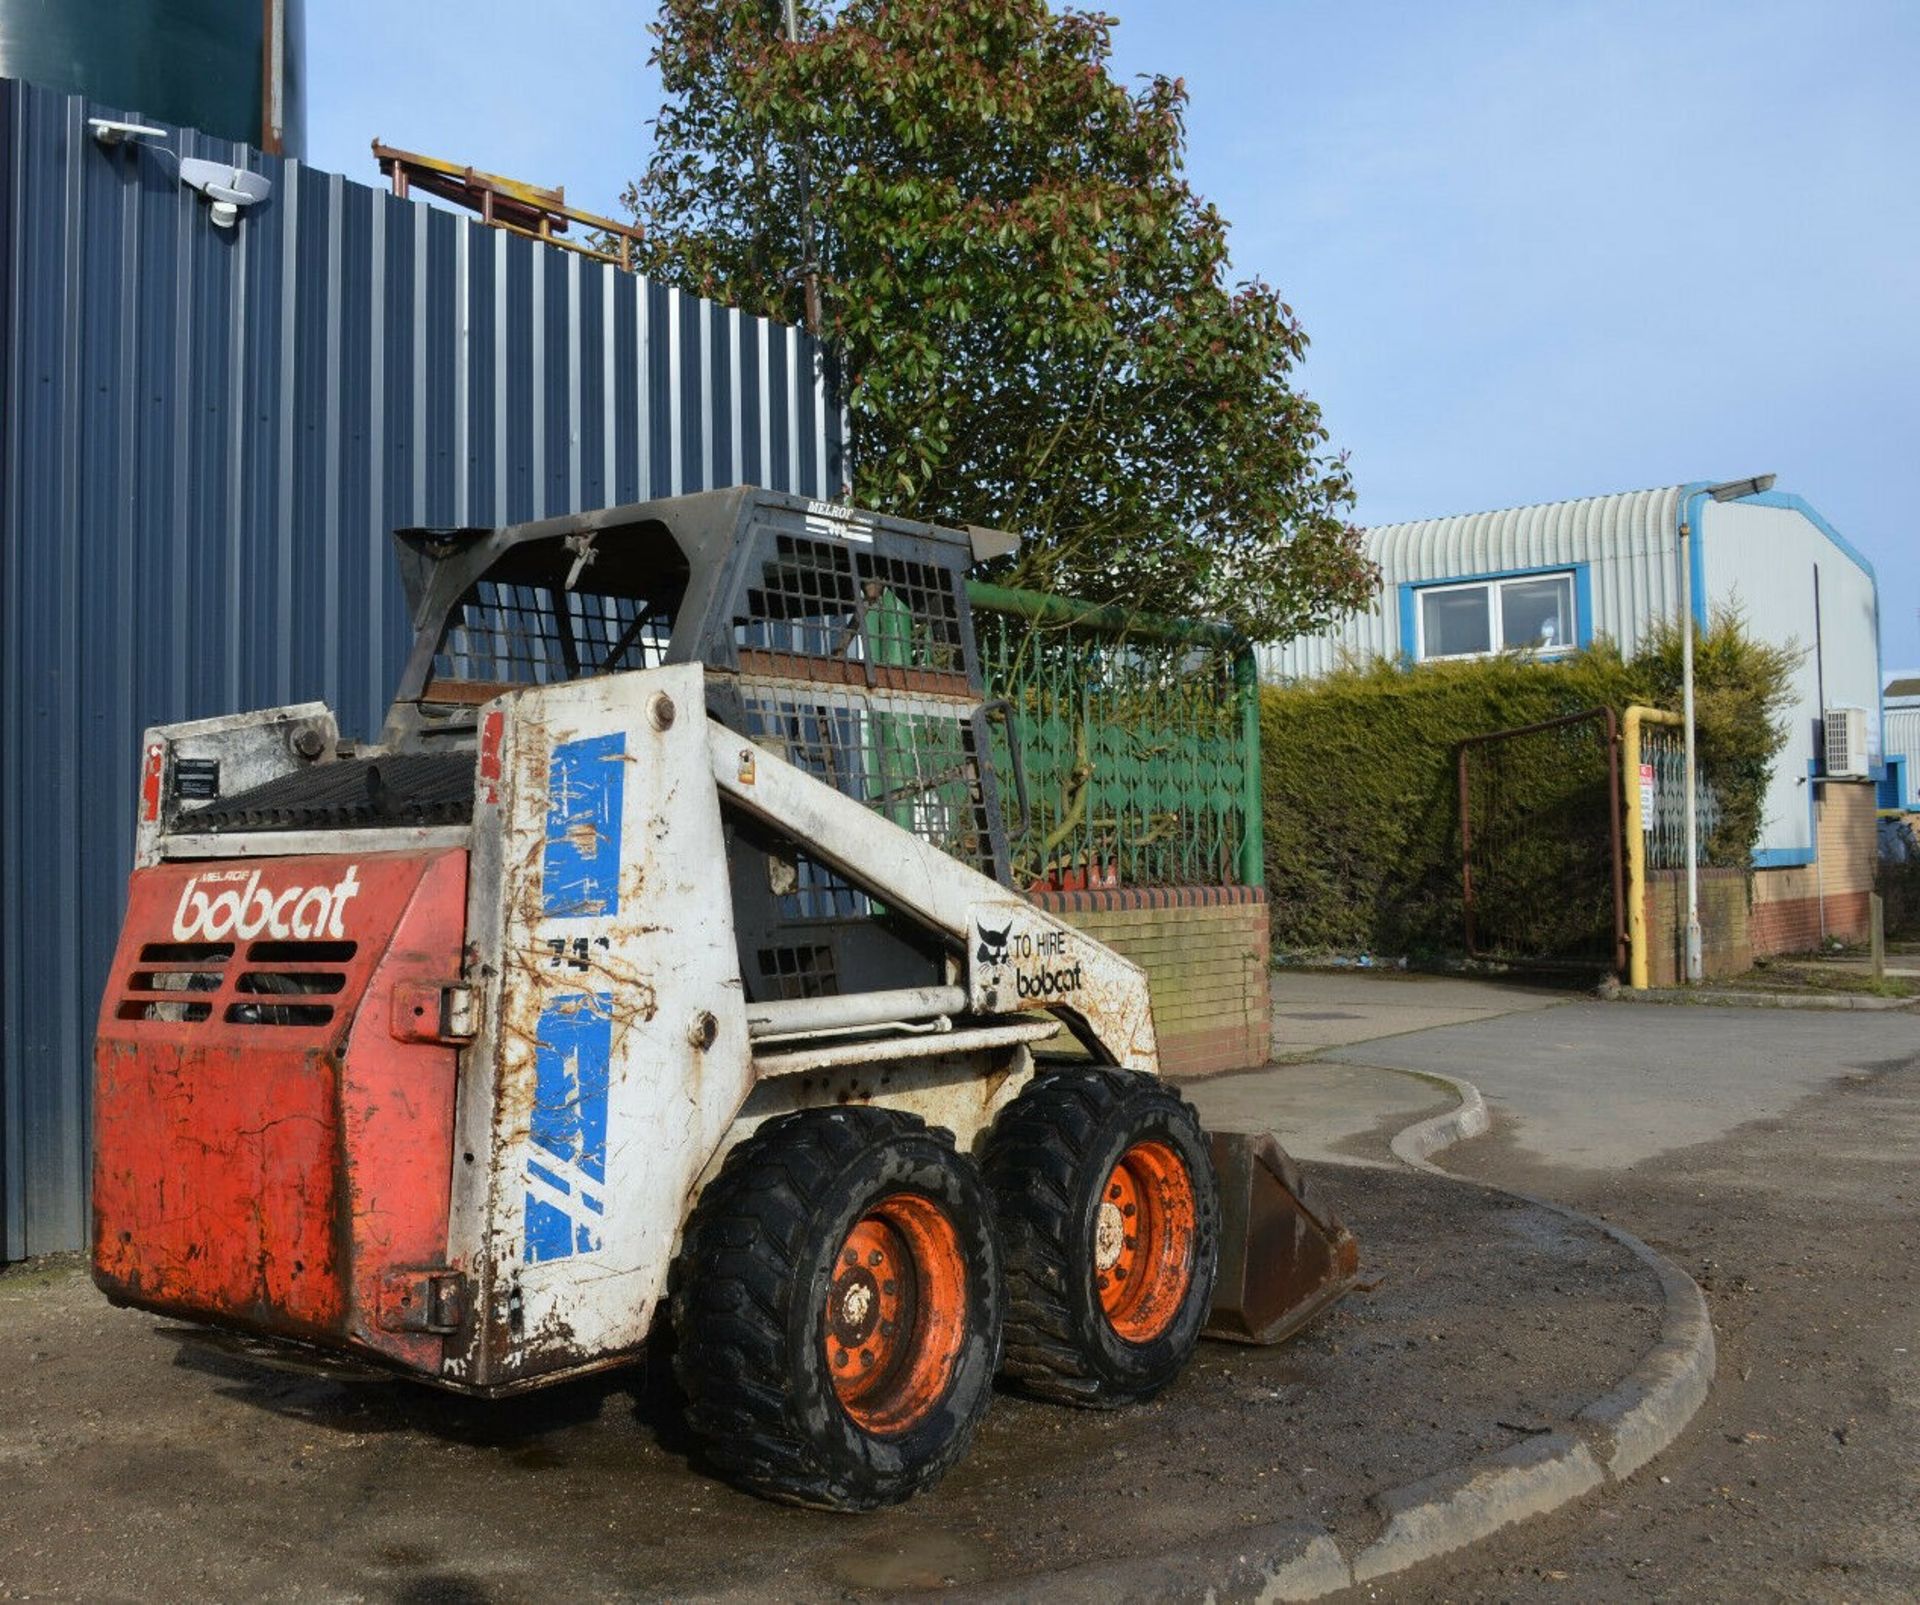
{"x": 1847, "y": 743}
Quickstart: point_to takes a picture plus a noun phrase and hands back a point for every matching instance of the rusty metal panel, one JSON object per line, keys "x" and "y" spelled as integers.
{"x": 612, "y": 1021}
{"x": 207, "y": 435}
{"x": 274, "y": 1093}
{"x": 1284, "y": 1255}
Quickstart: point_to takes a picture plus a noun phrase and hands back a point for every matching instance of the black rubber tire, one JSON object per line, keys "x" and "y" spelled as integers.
{"x": 1046, "y": 1162}
{"x": 749, "y": 1300}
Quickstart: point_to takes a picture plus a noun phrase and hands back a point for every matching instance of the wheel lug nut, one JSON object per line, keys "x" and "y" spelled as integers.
{"x": 841, "y": 1357}
{"x": 876, "y": 1258}
{"x": 866, "y": 1356}
{"x": 889, "y": 1287}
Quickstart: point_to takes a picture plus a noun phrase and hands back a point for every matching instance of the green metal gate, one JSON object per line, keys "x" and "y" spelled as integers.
{"x": 1134, "y": 757}
{"x": 1541, "y": 873}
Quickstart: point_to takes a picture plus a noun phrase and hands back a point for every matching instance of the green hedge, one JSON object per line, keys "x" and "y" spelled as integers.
{"x": 1899, "y": 888}
{"x": 1359, "y": 778}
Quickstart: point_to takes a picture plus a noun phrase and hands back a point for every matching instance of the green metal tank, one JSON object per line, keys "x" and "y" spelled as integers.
{"x": 232, "y": 68}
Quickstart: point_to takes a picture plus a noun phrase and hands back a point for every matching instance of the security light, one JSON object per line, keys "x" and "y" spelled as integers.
{"x": 227, "y": 188}
{"x": 110, "y": 133}
{"x": 1734, "y": 489}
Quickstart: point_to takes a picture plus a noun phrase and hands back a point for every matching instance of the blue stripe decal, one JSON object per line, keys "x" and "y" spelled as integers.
{"x": 586, "y": 784}
{"x": 540, "y": 1172}
{"x": 569, "y": 1126}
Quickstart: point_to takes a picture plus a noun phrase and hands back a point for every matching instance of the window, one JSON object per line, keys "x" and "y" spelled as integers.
{"x": 1454, "y": 623}
{"x": 1532, "y": 612}
{"x": 1537, "y": 613}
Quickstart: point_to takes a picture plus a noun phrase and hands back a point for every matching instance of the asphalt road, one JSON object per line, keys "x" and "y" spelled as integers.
{"x": 140, "y": 1464}
{"x": 1776, "y": 1157}
{"x": 1592, "y": 1085}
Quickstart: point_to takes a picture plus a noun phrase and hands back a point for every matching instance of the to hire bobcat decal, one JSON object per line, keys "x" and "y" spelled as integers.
{"x": 1043, "y": 969}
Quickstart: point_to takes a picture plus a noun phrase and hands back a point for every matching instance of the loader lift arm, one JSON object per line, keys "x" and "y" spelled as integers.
{"x": 1015, "y": 956}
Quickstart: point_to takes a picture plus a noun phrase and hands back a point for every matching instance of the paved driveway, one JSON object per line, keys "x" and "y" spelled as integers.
{"x": 1772, "y": 1153}
{"x": 1314, "y": 1010}
{"x": 1606, "y": 1085}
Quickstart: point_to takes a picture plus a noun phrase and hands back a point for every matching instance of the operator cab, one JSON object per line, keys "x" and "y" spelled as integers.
{"x": 838, "y": 638}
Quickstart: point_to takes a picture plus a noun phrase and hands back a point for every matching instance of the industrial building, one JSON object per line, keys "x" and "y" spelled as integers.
{"x": 210, "y": 424}
{"x": 1900, "y": 785}
{"x": 1551, "y": 578}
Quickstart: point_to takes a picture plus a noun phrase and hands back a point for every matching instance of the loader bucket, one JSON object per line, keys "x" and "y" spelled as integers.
{"x": 1284, "y": 1256}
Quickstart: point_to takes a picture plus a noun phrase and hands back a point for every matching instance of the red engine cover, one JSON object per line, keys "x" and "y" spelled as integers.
{"x": 271, "y": 1142}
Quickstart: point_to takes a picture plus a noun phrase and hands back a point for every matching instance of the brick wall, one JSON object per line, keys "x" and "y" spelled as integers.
{"x": 1204, "y": 949}
{"x": 1793, "y": 924}
{"x": 1787, "y": 911}
{"x": 1725, "y": 940}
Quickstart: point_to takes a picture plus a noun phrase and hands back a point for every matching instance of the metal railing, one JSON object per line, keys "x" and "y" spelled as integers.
{"x": 1653, "y": 759}
{"x": 1138, "y": 740}
{"x": 1541, "y": 877}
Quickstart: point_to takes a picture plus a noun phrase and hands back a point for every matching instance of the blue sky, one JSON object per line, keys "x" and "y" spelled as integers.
{"x": 1542, "y": 249}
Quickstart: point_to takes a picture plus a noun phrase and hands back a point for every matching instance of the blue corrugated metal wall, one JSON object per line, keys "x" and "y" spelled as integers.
{"x": 207, "y": 435}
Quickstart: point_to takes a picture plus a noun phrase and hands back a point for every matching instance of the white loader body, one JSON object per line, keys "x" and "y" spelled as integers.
{"x": 616, "y": 1060}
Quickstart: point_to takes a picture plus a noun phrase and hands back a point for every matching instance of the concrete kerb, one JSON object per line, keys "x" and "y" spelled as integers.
{"x": 1280, "y": 1561}
{"x": 1760, "y": 1000}
{"x": 1654, "y": 1402}
{"x": 1612, "y": 1438}
{"x": 1467, "y": 1118}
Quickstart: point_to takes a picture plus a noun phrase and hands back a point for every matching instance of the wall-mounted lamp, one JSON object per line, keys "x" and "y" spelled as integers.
{"x": 226, "y": 188}
{"x": 110, "y": 133}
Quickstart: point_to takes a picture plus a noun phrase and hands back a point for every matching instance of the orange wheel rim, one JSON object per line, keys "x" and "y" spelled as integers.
{"x": 1143, "y": 1241}
{"x": 896, "y": 1313}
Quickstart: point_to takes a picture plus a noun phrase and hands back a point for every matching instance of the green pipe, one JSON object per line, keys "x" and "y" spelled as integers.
{"x": 1253, "y": 841}
{"x": 1044, "y": 609}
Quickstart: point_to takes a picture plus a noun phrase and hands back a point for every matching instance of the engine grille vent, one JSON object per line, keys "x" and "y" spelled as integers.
{"x": 407, "y": 789}
{"x": 277, "y": 984}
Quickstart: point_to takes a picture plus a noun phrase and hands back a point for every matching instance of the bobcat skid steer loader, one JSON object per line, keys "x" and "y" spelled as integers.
{"x": 659, "y": 960}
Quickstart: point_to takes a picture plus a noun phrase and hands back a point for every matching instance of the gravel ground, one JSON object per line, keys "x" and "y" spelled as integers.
{"x": 1800, "y": 1477}
{"x": 140, "y": 1463}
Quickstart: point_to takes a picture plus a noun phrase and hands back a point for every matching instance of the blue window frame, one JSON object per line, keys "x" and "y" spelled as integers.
{"x": 1546, "y": 611}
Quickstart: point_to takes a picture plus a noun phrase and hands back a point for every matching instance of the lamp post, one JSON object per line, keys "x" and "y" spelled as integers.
{"x": 1696, "y": 967}
{"x": 1731, "y": 490}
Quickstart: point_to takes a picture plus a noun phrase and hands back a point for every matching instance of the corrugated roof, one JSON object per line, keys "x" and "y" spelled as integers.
{"x": 1545, "y": 535}
{"x": 1520, "y": 537}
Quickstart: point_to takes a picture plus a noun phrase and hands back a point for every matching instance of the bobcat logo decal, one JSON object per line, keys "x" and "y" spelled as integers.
{"x": 993, "y": 945}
